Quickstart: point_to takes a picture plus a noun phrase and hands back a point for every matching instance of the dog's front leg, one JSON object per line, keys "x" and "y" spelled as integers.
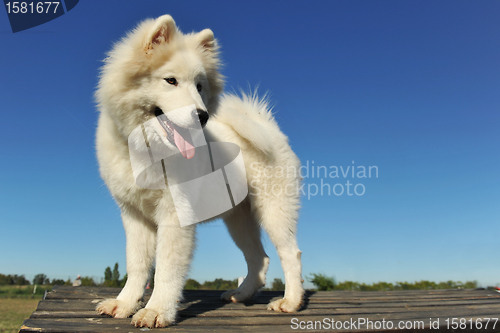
{"x": 141, "y": 240}
{"x": 174, "y": 251}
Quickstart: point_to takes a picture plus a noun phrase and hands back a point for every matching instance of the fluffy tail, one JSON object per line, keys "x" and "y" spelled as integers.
{"x": 251, "y": 118}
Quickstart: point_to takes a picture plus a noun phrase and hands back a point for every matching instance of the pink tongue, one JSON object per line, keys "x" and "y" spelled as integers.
{"x": 186, "y": 149}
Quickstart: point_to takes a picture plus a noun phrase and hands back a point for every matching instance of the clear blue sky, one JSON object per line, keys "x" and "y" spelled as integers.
{"x": 411, "y": 87}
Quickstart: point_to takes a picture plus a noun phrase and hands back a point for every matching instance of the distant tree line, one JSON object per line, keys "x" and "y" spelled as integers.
{"x": 320, "y": 281}
{"x": 217, "y": 284}
{"x": 277, "y": 285}
{"x": 112, "y": 277}
{"x": 20, "y": 280}
{"x": 325, "y": 283}
{"x": 220, "y": 284}
{"x": 42, "y": 280}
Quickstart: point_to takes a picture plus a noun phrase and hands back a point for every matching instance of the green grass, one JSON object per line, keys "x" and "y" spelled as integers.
{"x": 17, "y": 303}
{"x": 13, "y": 311}
{"x": 10, "y": 291}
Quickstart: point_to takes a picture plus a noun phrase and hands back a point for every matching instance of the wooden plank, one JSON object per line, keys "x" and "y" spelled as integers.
{"x": 110, "y": 292}
{"x": 264, "y": 299}
{"x": 260, "y": 299}
{"x": 72, "y": 309}
{"x": 262, "y": 312}
{"x": 277, "y": 324}
{"x": 355, "y": 310}
{"x": 90, "y": 304}
{"x": 70, "y": 326}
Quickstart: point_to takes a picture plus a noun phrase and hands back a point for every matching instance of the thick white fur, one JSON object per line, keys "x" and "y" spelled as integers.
{"x": 131, "y": 86}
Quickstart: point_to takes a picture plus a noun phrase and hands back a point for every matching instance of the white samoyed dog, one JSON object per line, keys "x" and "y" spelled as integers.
{"x": 156, "y": 69}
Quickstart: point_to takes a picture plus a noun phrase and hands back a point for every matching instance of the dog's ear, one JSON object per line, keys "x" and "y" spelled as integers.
{"x": 206, "y": 39}
{"x": 162, "y": 32}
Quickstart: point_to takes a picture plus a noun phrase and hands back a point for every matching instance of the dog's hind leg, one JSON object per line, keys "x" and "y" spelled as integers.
{"x": 245, "y": 231}
{"x": 279, "y": 220}
{"x": 141, "y": 240}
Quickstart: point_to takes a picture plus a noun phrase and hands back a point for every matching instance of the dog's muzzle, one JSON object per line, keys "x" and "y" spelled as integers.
{"x": 180, "y": 136}
{"x": 202, "y": 115}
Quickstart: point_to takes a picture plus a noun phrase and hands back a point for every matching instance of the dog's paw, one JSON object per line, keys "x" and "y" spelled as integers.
{"x": 117, "y": 308}
{"x": 237, "y": 295}
{"x": 285, "y": 305}
{"x": 152, "y": 318}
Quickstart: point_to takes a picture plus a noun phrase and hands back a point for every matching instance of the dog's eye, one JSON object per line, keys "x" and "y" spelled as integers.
{"x": 171, "y": 80}
{"x": 199, "y": 87}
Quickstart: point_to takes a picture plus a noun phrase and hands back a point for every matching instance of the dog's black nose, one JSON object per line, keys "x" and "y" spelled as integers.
{"x": 203, "y": 115}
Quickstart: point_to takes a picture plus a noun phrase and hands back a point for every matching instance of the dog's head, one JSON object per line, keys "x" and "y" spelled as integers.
{"x": 156, "y": 69}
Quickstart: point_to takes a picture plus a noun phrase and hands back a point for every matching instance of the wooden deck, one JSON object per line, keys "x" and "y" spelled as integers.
{"x": 71, "y": 309}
